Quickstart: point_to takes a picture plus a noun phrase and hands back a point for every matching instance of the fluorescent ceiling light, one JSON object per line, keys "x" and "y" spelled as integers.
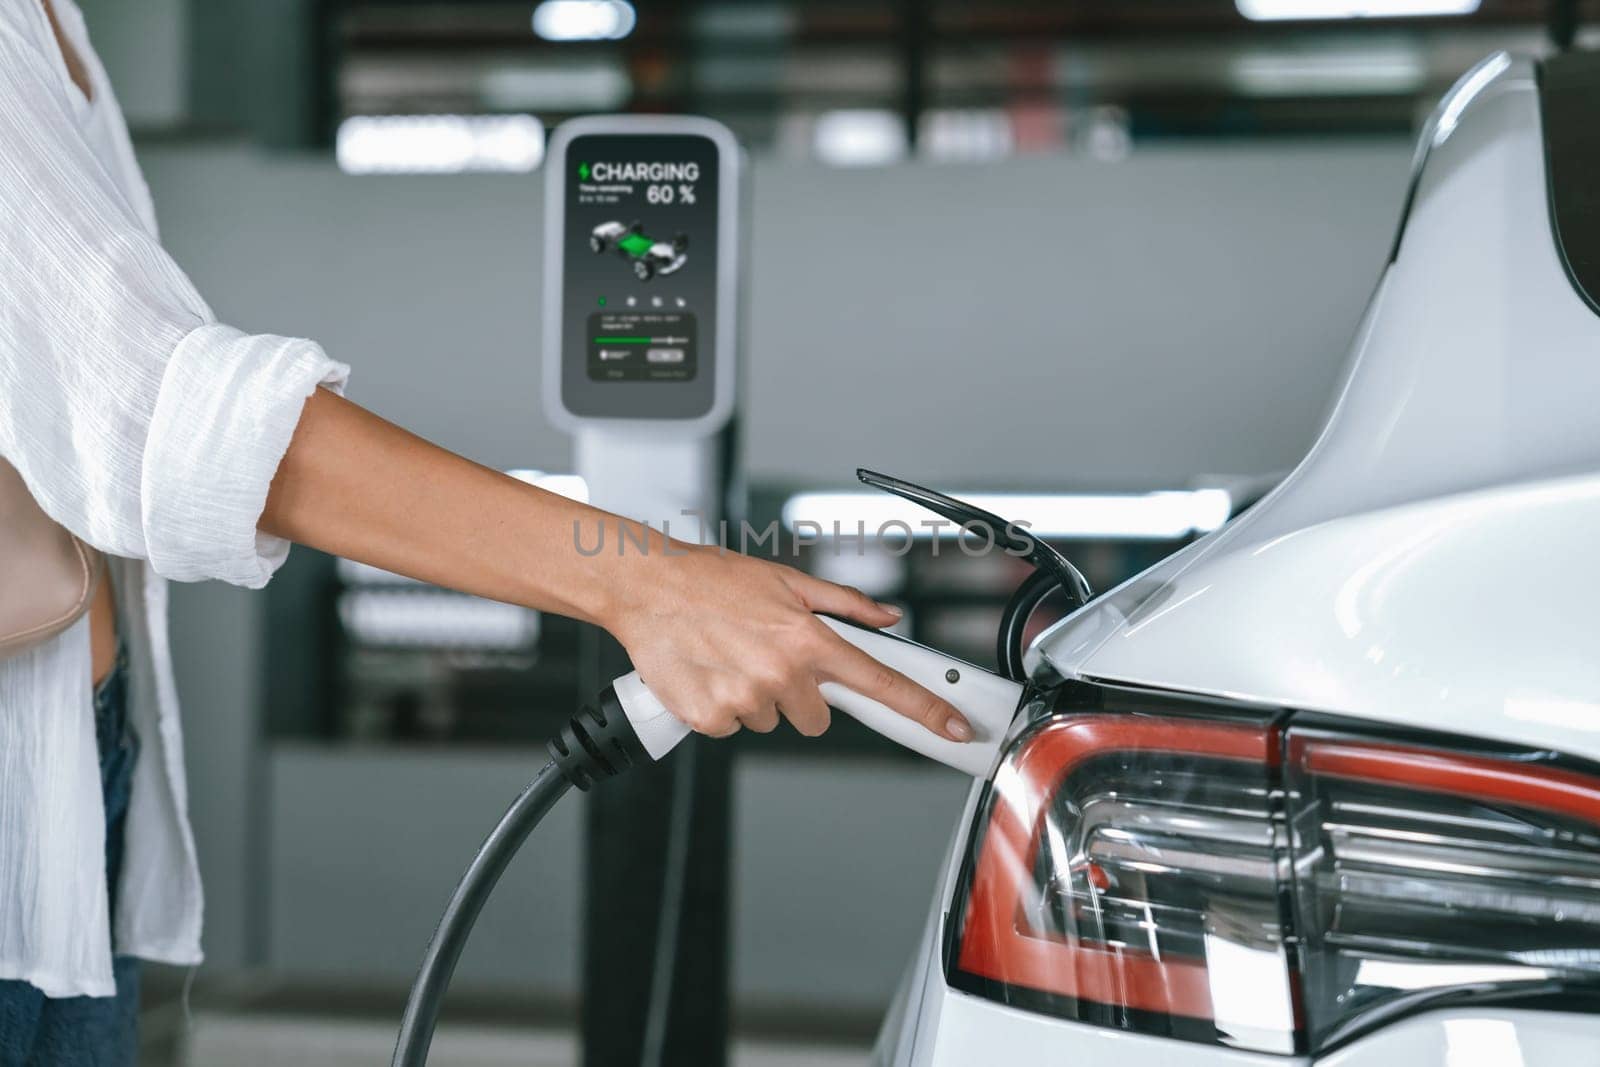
{"x": 1330, "y": 73}
{"x": 352, "y": 573}
{"x": 1133, "y": 516}
{"x": 1271, "y": 10}
{"x": 435, "y": 619}
{"x": 571, "y": 486}
{"x": 877, "y": 573}
{"x": 583, "y": 20}
{"x": 439, "y": 144}
{"x": 859, "y": 137}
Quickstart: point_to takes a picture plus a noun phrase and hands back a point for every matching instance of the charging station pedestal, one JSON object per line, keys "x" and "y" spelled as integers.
{"x": 641, "y": 298}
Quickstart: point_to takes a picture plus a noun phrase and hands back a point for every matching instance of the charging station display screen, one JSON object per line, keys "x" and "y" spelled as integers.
{"x": 640, "y": 284}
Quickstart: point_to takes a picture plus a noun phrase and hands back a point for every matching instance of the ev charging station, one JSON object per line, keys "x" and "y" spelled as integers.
{"x": 640, "y": 346}
{"x": 641, "y": 335}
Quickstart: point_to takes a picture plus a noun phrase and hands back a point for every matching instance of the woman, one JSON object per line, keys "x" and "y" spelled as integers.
{"x": 188, "y": 450}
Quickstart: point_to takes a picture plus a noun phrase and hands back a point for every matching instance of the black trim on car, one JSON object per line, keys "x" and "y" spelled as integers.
{"x": 1569, "y": 107}
{"x": 1411, "y": 195}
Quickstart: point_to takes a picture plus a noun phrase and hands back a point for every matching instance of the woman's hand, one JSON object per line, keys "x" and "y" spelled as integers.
{"x": 725, "y": 640}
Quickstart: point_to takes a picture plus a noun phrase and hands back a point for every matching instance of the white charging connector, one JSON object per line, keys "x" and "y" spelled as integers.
{"x": 987, "y": 700}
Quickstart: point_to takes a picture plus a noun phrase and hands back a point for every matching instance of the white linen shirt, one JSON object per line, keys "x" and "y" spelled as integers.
{"x": 150, "y": 431}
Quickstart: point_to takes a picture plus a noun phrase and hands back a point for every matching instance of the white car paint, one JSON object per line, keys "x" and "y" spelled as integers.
{"x": 1405, "y": 614}
{"x": 1475, "y": 1038}
{"x": 1432, "y": 562}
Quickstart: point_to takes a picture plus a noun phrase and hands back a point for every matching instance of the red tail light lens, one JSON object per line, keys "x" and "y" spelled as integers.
{"x": 1271, "y": 887}
{"x": 1128, "y": 876}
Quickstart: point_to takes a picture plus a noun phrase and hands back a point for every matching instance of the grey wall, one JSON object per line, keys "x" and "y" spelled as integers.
{"x": 367, "y": 845}
{"x": 251, "y": 67}
{"x": 234, "y": 65}
{"x": 144, "y": 46}
{"x": 833, "y": 870}
{"x": 1182, "y": 311}
{"x": 216, "y": 633}
{"x": 1051, "y": 320}
{"x": 1040, "y": 322}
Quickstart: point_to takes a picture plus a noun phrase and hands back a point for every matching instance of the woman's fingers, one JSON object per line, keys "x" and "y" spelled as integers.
{"x": 857, "y": 671}
{"x": 805, "y": 709}
{"x": 762, "y": 720}
{"x": 719, "y": 730}
{"x": 844, "y": 601}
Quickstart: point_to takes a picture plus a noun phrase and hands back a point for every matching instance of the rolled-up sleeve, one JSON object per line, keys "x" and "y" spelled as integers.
{"x": 138, "y": 422}
{"x": 227, "y": 406}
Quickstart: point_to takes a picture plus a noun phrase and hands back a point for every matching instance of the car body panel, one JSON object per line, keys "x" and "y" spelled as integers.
{"x": 962, "y": 1030}
{"x": 1476, "y": 1038}
{"x": 1432, "y": 562}
{"x": 1403, "y": 615}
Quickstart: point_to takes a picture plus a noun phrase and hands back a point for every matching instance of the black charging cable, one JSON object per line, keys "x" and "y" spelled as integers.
{"x": 1009, "y": 645}
{"x": 596, "y": 743}
{"x": 674, "y": 882}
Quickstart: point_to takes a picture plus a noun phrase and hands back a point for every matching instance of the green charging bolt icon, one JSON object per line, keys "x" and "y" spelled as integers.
{"x": 583, "y": 172}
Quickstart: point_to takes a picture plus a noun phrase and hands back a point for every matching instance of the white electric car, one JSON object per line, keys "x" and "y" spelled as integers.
{"x": 1325, "y": 785}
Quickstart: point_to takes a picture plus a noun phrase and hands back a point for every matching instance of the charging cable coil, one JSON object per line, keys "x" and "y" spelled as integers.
{"x": 595, "y": 744}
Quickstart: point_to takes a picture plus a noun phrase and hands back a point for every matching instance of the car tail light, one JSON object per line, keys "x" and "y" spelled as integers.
{"x": 1426, "y": 874}
{"x": 1128, "y": 875}
{"x": 1265, "y": 885}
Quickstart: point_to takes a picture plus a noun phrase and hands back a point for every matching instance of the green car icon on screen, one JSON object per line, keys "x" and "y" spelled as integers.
{"x": 649, "y": 256}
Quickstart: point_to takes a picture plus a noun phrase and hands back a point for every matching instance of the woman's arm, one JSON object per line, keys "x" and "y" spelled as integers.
{"x": 721, "y": 639}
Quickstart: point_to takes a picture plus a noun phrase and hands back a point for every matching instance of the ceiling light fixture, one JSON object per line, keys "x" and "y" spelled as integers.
{"x": 1275, "y": 10}
{"x": 583, "y": 20}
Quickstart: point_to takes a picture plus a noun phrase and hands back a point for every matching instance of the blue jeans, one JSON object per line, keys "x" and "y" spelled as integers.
{"x": 38, "y": 1031}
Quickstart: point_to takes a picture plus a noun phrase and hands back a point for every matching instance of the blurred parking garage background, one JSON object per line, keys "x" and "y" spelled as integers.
{"x": 1073, "y": 250}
